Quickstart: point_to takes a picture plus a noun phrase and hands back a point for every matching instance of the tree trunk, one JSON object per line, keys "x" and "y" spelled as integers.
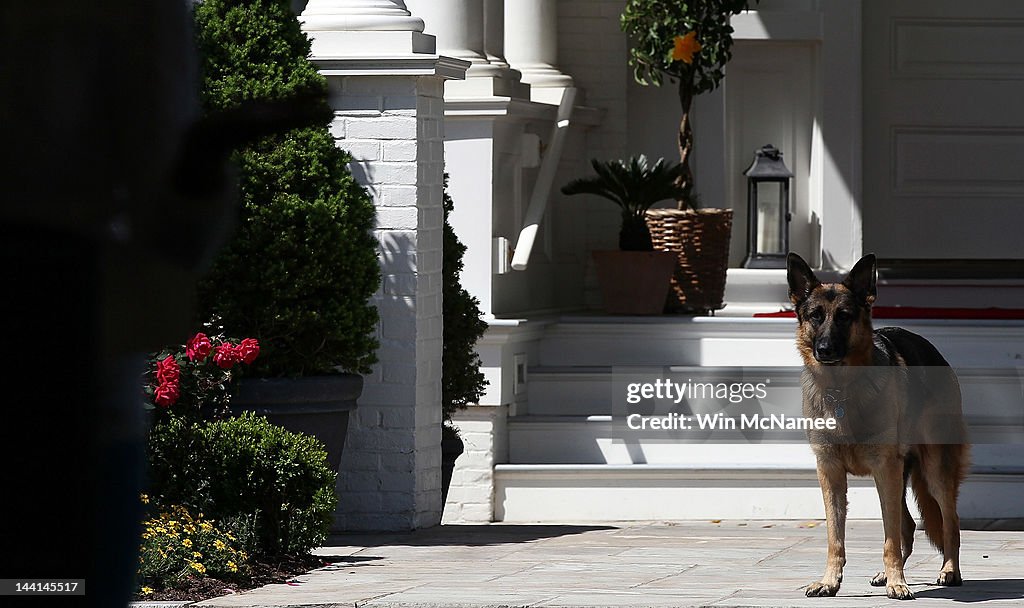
{"x": 685, "y": 180}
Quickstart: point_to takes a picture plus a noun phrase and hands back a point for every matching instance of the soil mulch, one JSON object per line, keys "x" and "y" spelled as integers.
{"x": 196, "y": 589}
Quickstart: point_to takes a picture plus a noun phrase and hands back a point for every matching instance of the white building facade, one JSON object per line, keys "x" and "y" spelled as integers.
{"x": 893, "y": 117}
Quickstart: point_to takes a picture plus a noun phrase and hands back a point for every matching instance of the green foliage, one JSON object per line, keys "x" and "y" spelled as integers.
{"x": 635, "y": 187}
{"x": 271, "y": 488}
{"x": 300, "y": 270}
{"x": 462, "y": 382}
{"x": 177, "y": 545}
{"x": 653, "y": 26}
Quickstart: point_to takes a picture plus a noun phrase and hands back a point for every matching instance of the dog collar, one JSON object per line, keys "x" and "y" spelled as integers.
{"x": 833, "y": 398}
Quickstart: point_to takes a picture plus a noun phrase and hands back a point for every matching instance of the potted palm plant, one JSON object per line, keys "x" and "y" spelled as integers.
{"x": 690, "y": 43}
{"x": 302, "y": 266}
{"x": 635, "y": 279}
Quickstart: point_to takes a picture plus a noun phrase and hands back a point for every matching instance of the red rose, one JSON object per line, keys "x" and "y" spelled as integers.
{"x": 168, "y": 371}
{"x": 247, "y": 350}
{"x": 166, "y": 394}
{"x": 198, "y": 347}
{"x": 225, "y": 356}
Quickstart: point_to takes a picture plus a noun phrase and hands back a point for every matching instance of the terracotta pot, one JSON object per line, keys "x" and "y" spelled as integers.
{"x": 317, "y": 405}
{"x": 634, "y": 282}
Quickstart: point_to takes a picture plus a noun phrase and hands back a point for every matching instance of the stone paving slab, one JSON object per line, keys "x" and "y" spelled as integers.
{"x": 725, "y": 564}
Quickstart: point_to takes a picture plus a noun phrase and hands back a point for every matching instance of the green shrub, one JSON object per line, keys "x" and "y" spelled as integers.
{"x": 272, "y": 488}
{"x": 300, "y": 270}
{"x": 462, "y": 382}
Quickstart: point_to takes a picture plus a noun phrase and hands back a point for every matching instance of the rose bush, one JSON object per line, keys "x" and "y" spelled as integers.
{"x": 196, "y": 379}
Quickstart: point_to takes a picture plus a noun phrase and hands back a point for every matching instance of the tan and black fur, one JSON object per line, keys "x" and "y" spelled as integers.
{"x": 898, "y": 404}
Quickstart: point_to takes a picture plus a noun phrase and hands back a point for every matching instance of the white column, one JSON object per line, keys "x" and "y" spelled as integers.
{"x": 458, "y": 26}
{"x": 494, "y": 32}
{"x": 363, "y": 27}
{"x": 531, "y": 46}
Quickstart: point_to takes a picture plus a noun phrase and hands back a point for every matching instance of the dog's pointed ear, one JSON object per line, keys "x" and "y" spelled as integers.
{"x": 861, "y": 280}
{"x": 801, "y": 278}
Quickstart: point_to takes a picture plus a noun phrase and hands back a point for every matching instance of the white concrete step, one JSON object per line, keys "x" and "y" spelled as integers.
{"x": 604, "y": 493}
{"x": 583, "y": 340}
{"x": 569, "y": 417}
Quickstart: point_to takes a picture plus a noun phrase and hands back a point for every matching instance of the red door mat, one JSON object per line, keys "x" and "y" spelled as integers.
{"x": 919, "y": 312}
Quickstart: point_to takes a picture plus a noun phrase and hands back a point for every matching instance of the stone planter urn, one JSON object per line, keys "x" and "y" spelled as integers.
{"x": 316, "y": 405}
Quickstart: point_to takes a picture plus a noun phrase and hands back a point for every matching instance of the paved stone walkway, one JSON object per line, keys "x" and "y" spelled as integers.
{"x": 726, "y": 564}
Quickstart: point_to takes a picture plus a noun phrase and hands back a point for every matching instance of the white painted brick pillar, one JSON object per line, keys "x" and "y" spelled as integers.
{"x": 386, "y": 86}
{"x": 485, "y": 436}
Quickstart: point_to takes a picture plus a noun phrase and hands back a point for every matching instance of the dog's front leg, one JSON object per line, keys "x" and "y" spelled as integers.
{"x": 832, "y": 479}
{"x": 889, "y": 482}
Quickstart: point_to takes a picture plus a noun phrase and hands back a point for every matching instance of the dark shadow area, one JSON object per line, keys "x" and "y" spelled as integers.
{"x": 344, "y": 562}
{"x": 980, "y": 590}
{"x": 464, "y": 535}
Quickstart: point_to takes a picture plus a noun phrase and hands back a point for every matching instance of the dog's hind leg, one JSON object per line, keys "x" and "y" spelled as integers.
{"x": 942, "y": 474}
{"x": 833, "y": 491}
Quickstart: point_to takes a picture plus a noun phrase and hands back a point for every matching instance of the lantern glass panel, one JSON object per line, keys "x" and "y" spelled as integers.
{"x": 769, "y": 216}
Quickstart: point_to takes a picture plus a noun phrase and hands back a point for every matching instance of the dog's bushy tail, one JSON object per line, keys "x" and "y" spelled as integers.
{"x": 950, "y": 463}
{"x": 930, "y": 512}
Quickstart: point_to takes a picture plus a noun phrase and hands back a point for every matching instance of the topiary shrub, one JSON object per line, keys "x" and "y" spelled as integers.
{"x": 300, "y": 270}
{"x": 271, "y": 488}
{"x": 462, "y": 382}
{"x": 690, "y": 42}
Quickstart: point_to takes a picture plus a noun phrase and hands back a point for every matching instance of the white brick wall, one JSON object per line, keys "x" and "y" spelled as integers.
{"x": 471, "y": 496}
{"x": 391, "y": 473}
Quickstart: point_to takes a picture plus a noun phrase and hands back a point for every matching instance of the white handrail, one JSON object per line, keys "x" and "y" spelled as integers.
{"x": 545, "y": 178}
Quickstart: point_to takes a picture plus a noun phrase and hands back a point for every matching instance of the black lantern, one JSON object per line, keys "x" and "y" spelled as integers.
{"x": 767, "y": 210}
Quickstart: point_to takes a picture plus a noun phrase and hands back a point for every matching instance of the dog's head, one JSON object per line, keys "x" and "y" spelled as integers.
{"x": 834, "y": 319}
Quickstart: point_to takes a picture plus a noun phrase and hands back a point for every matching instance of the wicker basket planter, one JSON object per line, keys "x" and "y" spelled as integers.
{"x": 700, "y": 240}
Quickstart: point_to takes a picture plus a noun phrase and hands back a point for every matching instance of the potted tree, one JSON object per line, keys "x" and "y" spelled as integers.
{"x": 635, "y": 279}
{"x": 462, "y": 382}
{"x": 300, "y": 270}
{"x": 690, "y": 43}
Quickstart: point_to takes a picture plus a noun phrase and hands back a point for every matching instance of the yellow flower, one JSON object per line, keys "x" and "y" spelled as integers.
{"x": 201, "y": 569}
{"x": 232, "y": 566}
{"x": 197, "y": 555}
{"x": 219, "y": 545}
{"x": 686, "y": 46}
{"x": 206, "y": 526}
{"x": 187, "y": 543}
{"x": 146, "y": 590}
{"x": 145, "y": 500}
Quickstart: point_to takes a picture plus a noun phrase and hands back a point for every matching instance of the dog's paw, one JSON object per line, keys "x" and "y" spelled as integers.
{"x": 949, "y": 579}
{"x": 821, "y": 589}
{"x": 878, "y": 580}
{"x": 899, "y": 592}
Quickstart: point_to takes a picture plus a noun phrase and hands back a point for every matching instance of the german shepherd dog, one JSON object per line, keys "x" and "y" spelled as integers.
{"x": 897, "y": 405}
